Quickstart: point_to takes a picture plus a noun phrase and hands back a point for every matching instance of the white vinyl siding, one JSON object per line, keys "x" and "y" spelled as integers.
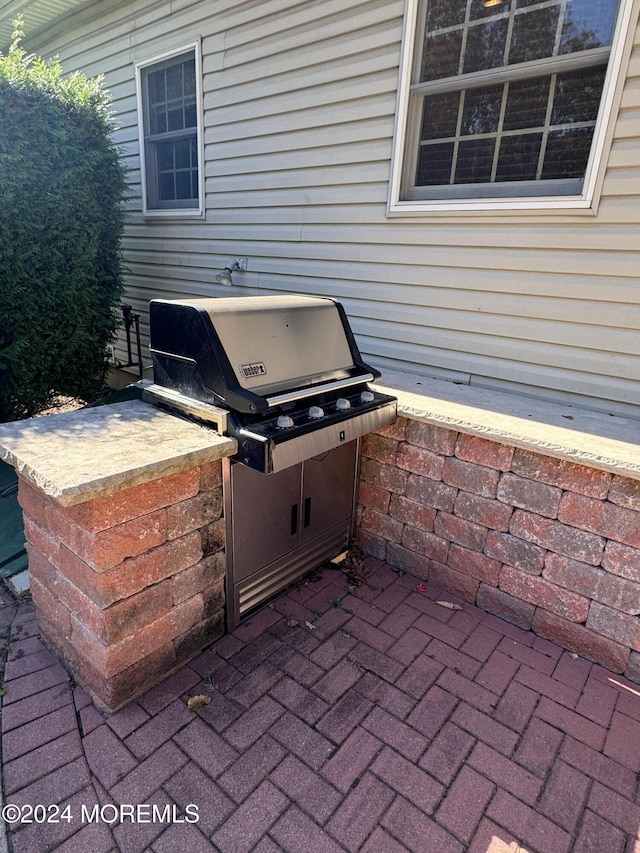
{"x": 298, "y": 118}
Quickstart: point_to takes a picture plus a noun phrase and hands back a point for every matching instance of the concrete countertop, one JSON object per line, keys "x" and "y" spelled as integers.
{"x": 80, "y": 455}
{"x": 87, "y": 453}
{"x": 598, "y": 440}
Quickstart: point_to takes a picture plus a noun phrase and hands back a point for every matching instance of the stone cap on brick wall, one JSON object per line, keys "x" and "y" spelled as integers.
{"x": 84, "y": 454}
{"x": 599, "y": 440}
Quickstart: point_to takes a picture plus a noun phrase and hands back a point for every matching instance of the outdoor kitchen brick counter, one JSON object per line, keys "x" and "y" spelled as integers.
{"x": 123, "y": 518}
{"x": 529, "y": 510}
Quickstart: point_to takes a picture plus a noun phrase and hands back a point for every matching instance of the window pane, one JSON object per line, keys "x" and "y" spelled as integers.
{"x": 156, "y": 87}
{"x": 165, "y": 156}
{"x": 183, "y": 184}
{"x": 587, "y": 24}
{"x": 487, "y": 8}
{"x": 481, "y": 112}
{"x": 166, "y": 189}
{"x": 567, "y": 153}
{"x": 534, "y": 35}
{"x": 195, "y": 190}
{"x": 577, "y": 96}
{"x": 190, "y": 115}
{"x": 178, "y": 168}
{"x": 175, "y": 117}
{"x": 527, "y": 103}
{"x": 189, "y": 72}
{"x": 475, "y": 161}
{"x": 434, "y": 164}
{"x": 485, "y": 46}
{"x": 172, "y": 97}
{"x": 518, "y": 158}
{"x": 444, "y": 13}
{"x": 174, "y": 82}
{"x": 441, "y": 57}
{"x": 157, "y": 119}
{"x": 440, "y": 115}
{"x": 183, "y": 153}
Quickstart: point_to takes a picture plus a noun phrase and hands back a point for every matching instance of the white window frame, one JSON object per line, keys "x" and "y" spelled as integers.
{"x": 586, "y": 201}
{"x": 141, "y": 67}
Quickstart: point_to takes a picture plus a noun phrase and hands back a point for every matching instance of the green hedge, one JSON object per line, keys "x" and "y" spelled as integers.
{"x": 62, "y": 184}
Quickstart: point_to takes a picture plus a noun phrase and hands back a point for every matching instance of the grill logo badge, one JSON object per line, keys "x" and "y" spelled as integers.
{"x": 256, "y": 368}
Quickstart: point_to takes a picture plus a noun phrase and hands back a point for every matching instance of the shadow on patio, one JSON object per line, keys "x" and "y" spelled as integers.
{"x": 364, "y": 719}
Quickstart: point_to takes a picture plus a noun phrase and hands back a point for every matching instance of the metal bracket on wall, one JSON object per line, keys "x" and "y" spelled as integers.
{"x": 132, "y": 320}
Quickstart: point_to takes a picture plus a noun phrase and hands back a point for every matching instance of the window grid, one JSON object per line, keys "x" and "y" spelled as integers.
{"x": 553, "y": 58}
{"x": 170, "y": 128}
{"x": 178, "y": 174}
{"x": 496, "y": 150}
{"x": 509, "y": 36}
{"x": 456, "y": 141}
{"x": 514, "y": 11}
{"x": 465, "y": 35}
{"x": 165, "y": 109}
{"x": 547, "y": 123}
{"x": 544, "y": 129}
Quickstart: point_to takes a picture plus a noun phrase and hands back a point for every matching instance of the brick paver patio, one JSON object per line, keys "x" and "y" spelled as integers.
{"x": 376, "y": 721}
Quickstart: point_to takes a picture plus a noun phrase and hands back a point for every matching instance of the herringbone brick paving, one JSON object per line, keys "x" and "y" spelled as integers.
{"x": 371, "y": 719}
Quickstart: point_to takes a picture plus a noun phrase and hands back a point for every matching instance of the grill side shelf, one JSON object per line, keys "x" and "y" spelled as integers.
{"x": 213, "y": 416}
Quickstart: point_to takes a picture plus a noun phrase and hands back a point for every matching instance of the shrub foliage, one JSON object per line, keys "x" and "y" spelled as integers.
{"x": 62, "y": 184}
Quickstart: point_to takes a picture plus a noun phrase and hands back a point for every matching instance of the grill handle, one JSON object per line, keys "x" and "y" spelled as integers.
{"x": 294, "y": 519}
{"x": 306, "y": 521}
{"x": 309, "y": 391}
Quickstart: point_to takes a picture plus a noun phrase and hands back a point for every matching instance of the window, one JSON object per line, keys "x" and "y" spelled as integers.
{"x": 169, "y": 111}
{"x": 504, "y": 98}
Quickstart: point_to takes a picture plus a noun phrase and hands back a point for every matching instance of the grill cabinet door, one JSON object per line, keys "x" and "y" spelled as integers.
{"x": 266, "y": 517}
{"x": 327, "y": 489}
{"x": 280, "y": 526}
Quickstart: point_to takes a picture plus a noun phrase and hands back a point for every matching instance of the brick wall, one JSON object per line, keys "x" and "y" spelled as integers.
{"x": 549, "y": 545}
{"x": 131, "y": 585}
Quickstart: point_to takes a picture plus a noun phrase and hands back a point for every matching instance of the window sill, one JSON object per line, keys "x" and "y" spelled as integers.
{"x": 176, "y": 214}
{"x": 173, "y": 213}
{"x": 574, "y": 205}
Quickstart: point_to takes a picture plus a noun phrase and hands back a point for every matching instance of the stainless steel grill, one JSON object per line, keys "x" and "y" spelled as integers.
{"x": 282, "y": 375}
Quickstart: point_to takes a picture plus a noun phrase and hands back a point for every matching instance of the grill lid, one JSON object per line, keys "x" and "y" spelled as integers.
{"x": 252, "y": 353}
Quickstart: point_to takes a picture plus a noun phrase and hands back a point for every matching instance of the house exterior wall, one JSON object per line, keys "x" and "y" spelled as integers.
{"x": 299, "y": 107}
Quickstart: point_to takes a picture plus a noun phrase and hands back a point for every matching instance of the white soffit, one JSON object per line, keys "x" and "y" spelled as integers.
{"x": 37, "y": 16}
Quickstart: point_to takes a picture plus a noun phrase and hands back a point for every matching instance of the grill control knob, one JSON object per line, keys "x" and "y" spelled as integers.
{"x": 284, "y": 422}
{"x": 342, "y": 403}
{"x": 316, "y": 412}
{"x": 367, "y": 397}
